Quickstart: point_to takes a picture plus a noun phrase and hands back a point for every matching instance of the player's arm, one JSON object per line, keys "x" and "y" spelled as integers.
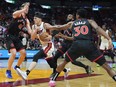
{"x": 64, "y": 36}
{"x": 28, "y": 26}
{"x": 100, "y": 31}
{"x": 34, "y": 32}
{"x": 58, "y": 27}
{"x": 19, "y": 12}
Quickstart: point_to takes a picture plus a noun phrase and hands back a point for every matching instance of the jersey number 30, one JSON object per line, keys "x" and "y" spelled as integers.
{"x": 81, "y": 30}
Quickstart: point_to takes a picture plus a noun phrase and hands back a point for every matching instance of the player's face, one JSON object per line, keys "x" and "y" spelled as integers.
{"x": 37, "y": 20}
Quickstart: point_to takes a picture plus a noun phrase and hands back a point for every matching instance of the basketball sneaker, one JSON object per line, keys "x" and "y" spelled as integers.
{"x": 8, "y": 74}
{"x": 21, "y": 73}
{"x": 52, "y": 83}
{"x": 88, "y": 70}
{"x": 66, "y": 73}
{"x": 98, "y": 65}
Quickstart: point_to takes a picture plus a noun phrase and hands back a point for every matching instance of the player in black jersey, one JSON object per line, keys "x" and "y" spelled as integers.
{"x": 65, "y": 45}
{"x": 84, "y": 45}
{"x": 13, "y": 42}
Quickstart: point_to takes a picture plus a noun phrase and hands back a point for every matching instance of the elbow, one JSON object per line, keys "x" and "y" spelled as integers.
{"x": 14, "y": 15}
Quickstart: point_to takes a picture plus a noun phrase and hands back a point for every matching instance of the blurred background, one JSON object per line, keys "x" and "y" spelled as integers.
{"x": 56, "y": 11}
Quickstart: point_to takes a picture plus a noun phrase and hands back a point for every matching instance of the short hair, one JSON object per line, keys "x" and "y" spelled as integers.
{"x": 22, "y": 6}
{"x": 82, "y": 13}
{"x": 39, "y": 15}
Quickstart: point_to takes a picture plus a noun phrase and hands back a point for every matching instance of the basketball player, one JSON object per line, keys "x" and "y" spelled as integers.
{"x": 83, "y": 44}
{"x": 13, "y": 42}
{"x": 104, "y": 46}
{"x": 68, "y": 39}
{"x": 41, "y": 31}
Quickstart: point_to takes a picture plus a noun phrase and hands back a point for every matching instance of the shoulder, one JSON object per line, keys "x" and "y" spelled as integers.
{"x": 47, "y": 24}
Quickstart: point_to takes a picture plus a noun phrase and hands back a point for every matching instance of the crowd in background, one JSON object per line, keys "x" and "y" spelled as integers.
{"x": 53, "y": 16}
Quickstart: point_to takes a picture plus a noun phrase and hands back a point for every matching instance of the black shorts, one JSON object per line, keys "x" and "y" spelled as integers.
{"x": 14, "y": 42}
{"x": 86, "y": 48}
{"x": 64, "y": 47}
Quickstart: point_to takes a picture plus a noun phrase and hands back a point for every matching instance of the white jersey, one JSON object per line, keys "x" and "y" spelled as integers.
{"x": 48, "y": 47}
{"x": 42, "y": 29}
{"x": 104, "y": 42}
{"x": 103, "y": 39}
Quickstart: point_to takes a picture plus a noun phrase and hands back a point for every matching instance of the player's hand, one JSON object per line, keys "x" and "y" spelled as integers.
{"x": 26, "y": 7}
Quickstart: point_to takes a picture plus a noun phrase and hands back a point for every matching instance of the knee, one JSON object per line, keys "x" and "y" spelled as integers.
{"x": 23, "y": 53}
{"x": 13, "y": 54}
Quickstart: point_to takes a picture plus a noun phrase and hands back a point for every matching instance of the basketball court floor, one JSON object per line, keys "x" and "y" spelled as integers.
{"x": 39, "y": 77}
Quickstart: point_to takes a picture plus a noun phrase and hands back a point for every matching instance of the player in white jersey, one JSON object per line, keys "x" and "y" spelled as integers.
{"x": 42, "y": 31}
{"x": 104, "y": 46}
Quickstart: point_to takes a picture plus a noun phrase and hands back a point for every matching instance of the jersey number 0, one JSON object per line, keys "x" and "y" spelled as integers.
{"x": 81, "y": 30}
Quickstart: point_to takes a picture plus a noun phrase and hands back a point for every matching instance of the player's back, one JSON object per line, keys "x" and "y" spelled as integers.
{"x": 82, "y": 30}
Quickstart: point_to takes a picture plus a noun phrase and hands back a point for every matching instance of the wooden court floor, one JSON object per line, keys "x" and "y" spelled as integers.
{"x": 39, "y": 77}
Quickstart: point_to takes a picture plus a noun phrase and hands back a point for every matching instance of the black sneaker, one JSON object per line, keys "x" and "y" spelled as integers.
{"x": 88, "y": 70}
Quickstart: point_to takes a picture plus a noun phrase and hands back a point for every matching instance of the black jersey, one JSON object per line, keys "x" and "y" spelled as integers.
{"x": 82, "y": 30}
{"x": 16, "y": 26}
{"x": 68, "y": 33}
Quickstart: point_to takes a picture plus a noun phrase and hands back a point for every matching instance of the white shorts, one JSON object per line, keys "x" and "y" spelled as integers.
{"x": 48, "y": 49}
{"x": 104, "y": 46}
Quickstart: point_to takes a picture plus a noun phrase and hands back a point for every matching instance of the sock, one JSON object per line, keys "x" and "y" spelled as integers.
{"x": 65, "y": 70}
{"x": 17, "y": 67}
{"x": 54, "y": 70}
{"x": 114, "y": 77}
{"x": 27, "y": 72}
{"x": 55, "y": 75}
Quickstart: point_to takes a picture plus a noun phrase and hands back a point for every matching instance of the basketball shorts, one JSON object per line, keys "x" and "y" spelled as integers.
{"x": 48, "y": 49}
{"x": 13, "y": 42}
{"x": 84, "y": 48}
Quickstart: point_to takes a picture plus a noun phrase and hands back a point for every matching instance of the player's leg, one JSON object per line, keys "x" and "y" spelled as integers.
{"x": 11, "y": 48}
{"x": 10, "y": 62}
{"x": 70, "y": 55}
{"x": 98, "y": 57}
{"x": 86, "y": 67}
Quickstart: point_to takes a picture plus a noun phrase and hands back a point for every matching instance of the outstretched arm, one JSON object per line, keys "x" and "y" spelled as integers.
{"x": 58, "y": 27}
{"x": 34, "y": 32}
{"x": 60, "y": 35}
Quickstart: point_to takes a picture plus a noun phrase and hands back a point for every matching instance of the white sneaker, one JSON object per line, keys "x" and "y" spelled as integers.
{"x": 52, "y": 83}
{"x": 66, "y": 73}
{"x": 21, "y": 73}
